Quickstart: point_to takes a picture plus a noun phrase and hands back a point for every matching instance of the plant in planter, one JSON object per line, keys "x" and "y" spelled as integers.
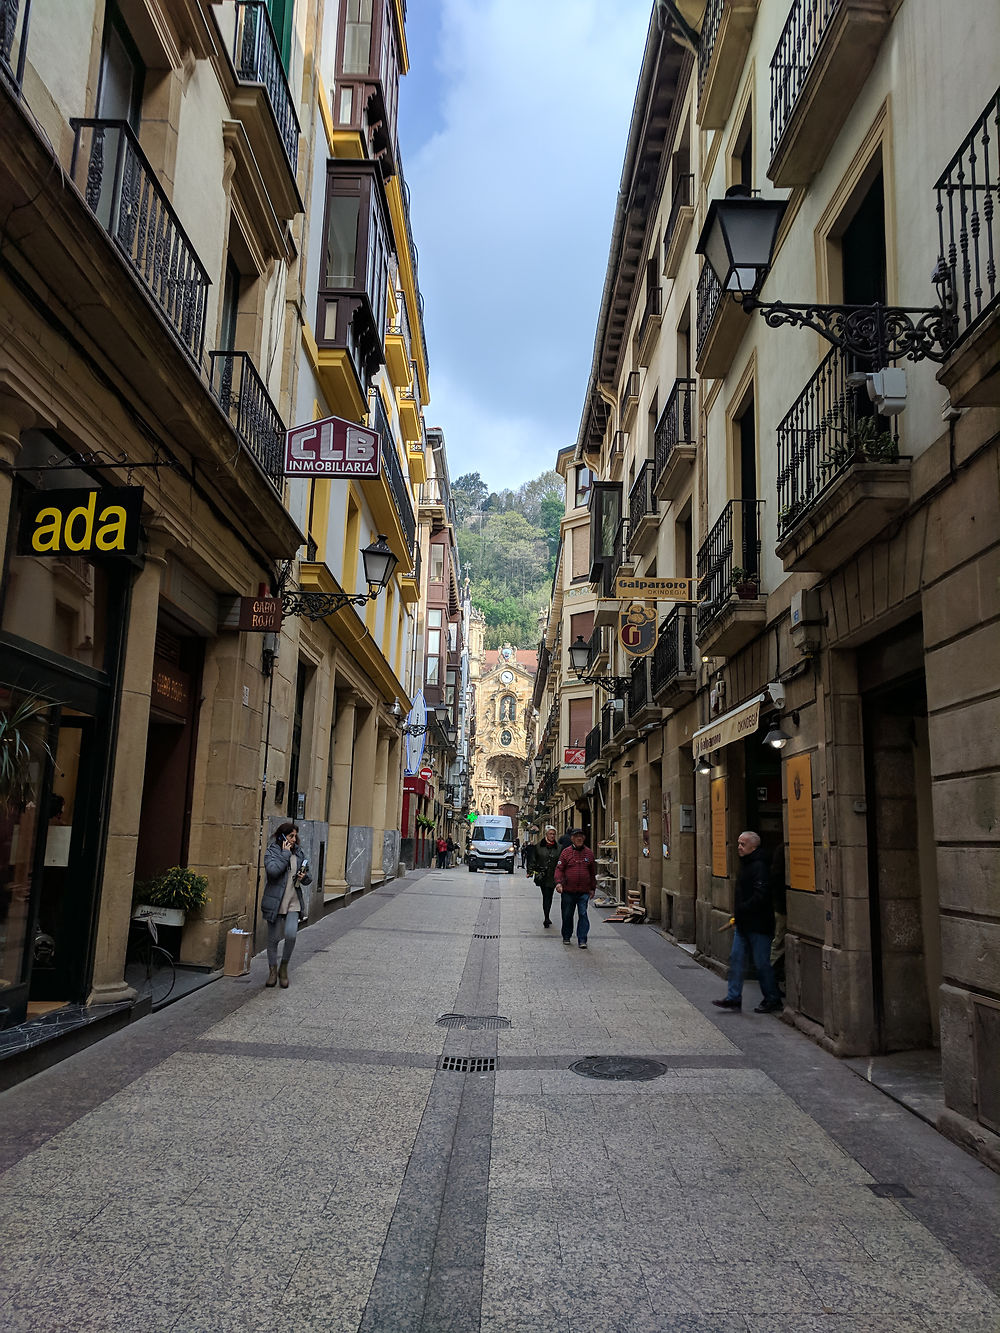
{"x": 873, "y": 444}
{"x": 744, "y": 583}
{"x": 167, "y": 898}
{"x": 22, "y": 744}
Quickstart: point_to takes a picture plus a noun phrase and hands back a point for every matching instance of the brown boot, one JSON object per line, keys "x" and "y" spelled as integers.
{"x": 283, "y": 976}
{"x": 272, "y": 977}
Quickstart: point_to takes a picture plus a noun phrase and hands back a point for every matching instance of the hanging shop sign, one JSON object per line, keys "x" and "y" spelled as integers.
{"x": 735, "y": 725}
{"x": 801, "y": 850}
{"x": 660, "y": 590}
{"x": 81, "y": 522}
{"x": 332, "y": 447}
{"x": 573, "y": 757}
{"x": 260, "y": 615}
{"x": 637, "y": 628}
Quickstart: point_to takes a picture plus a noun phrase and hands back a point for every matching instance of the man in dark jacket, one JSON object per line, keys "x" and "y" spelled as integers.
{"x": 753, "y": 917}
{"x": 543, "y": 861}
{"x": 576, "y": 880}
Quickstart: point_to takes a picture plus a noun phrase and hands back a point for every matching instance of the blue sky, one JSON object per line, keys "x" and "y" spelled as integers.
{"x": 512, "y": 124}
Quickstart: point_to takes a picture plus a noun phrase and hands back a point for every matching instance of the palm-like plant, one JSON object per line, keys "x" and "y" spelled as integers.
{"x": 21, "y": 743}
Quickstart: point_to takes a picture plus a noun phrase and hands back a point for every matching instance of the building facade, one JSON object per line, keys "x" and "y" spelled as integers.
{"x": 838, "y": 553}
{"x": 208, "y": 241}
{"x": 503, "y": 690}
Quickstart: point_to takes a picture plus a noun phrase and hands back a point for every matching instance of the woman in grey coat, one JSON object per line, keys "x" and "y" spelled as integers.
{"x": 282, "y": 904}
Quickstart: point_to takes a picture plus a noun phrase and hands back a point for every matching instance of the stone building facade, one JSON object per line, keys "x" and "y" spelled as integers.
{"x": 841, "y": 558}
{"x": 502, "y": 689}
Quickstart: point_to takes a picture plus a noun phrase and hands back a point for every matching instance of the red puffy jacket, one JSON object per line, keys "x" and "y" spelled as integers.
{"x": 576, "y": 871}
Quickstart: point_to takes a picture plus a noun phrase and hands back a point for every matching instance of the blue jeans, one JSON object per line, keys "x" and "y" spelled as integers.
{"x": 759, "y": 948}
{"x": 575, "y": 902}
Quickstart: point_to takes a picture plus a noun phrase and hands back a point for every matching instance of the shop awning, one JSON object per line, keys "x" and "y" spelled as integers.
{"x": 736, "y": 725}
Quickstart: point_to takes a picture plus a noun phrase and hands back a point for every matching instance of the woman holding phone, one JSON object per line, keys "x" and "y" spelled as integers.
{"x": 282, "y": 903}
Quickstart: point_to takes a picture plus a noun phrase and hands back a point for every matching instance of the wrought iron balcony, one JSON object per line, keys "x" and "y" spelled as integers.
{"x": 606, "y": 726}
{"x": 725, "y": 39}
{"x": 617, "y": 720}
{"x": 639, "y": 696}
{"x": 592, "y": 751}
{"x": 257, "y": 58}
{"x": 673, "y": 667}
{"x": 643, "y": 507}
{"x": 629, "y": 400}
{"x": 840, "y": 477}
{"x": 14, "y": 18}
{"x": 619, "y": 557}
{"x": 680, "y": 201}
{"x": 675, "y": 440}
{"x": 722, "y": 322}
{"x": 736, "y": 534}
{"x": 649, "y": 325}
{"x": 243, "y": 397}
{"x": 619, "y": 443}
{"x": 121, "y": 189}
{"x": 597, "y": 646}
{"x": 968, "y": 208}
{"x": 393, "y": 473}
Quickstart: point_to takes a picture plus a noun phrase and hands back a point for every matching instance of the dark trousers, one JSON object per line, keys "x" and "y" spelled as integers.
{"x": 547, "y": 901}
{"x": 575, "y": 903}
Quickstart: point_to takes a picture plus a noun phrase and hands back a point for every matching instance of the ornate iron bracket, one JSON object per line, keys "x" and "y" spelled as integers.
{"x": 319, "y": 605}
{"x": 879, "y": 332}
{"x": 93, "y": 458}
{"x": 615, "y": 685}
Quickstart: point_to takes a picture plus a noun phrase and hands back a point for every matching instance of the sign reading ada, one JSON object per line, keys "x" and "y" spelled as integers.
{"x": 79, "y": 522}
{"x": 660, "y": 590}
{"x": 332, "y": 447}
{"x": 637, "y": 628}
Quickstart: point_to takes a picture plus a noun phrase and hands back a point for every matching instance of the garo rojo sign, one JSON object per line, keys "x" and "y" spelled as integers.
{"x": 331, "y": 447}
{"x": 78, "y": 522}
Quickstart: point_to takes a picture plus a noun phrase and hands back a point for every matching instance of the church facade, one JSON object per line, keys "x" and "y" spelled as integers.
{"x": 502, "y": 688}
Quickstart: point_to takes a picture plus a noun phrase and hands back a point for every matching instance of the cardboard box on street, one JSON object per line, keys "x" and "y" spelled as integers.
{"x": 237, "y": 962}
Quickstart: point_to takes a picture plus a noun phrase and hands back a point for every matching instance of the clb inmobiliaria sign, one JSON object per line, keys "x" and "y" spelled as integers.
{"x": 81, "y": 522}
{"x": 332, "y": 448}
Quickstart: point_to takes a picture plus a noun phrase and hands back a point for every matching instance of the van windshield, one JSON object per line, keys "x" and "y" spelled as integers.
{"x": 492, "y": 833}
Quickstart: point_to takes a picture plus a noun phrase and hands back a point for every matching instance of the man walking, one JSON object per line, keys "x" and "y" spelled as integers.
{"x": 753, "y": 913}
{"x": 576, "y": 880}
{"x": 441, "y": 847}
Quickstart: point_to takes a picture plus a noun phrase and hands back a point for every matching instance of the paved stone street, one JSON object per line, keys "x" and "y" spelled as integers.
{"x": 252, "y": 1159}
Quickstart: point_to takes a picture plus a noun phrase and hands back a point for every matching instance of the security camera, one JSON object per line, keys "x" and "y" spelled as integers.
{"x": 887, "y": 390}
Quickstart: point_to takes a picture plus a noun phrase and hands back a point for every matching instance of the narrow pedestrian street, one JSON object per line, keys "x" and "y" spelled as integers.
{"x": 332, "y": 1157}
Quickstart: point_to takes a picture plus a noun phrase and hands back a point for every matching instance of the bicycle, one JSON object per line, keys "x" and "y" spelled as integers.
{"x": 149, "y": 968}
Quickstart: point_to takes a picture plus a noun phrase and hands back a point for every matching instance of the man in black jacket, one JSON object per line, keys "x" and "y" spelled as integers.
{"x": 753, "y": 915}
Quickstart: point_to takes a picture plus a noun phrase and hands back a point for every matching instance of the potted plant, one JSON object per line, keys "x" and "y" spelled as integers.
{"x": 21, "y": 745}
{"x": 744, "y": 582}
{"x": 167, "y": 898}
{"x": 874, "y": 445}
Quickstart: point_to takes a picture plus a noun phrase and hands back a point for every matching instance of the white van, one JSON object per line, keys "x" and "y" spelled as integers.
{"x": 491, "y": 844}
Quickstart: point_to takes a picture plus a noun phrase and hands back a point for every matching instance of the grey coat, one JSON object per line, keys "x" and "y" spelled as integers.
{"x": 276, "y": 865}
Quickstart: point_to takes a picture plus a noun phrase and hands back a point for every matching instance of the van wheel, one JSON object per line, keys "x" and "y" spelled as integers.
{"x": 510, "y": 869}
{"x": 472, "y": 868}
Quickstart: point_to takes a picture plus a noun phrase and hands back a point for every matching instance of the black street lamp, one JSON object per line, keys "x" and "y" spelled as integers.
{"x": 440, "y": 715}
{"x": 379, "y": 561}
{"x": 579, "y": 655}
{"x": 738, "y": 241}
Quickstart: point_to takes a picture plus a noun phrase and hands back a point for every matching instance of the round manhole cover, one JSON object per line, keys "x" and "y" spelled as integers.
{"x": 630, "y": 1068}
{"x": 473, "y": 1022}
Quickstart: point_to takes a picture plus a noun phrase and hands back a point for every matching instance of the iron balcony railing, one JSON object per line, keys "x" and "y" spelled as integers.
{"x": 829, "y": 427}
{"x": 394, "y": 473}
{"x": 121, "y": 189}
{"x": 597, "y": 646}
{"x": 653, "y": 309}
{"x": 641, "y": 500}
{"x": 241, "y": 394}
{"x": 673, "y": 655}
{"x": 638, "y": 687}
{"x": 968, "y": 208}
{"x": 414, "y": 258}
{"x": 681, "y": 198}
{"x": 617, "y": 717}
{"x": 619, "y": 443}
{"x": 736, "y": 534}
{"x": 630, "y": 393}
{"x": 710, "y": 298}
{"x": 805, "y": 27}
{"x": 592, "y": 748}
{"x": 14, "y": 17}
{"x": 257, "y": 58}
{"x": 620, "y": 548}
{"x": 676, "y": 424}
{"x": 709, "y": 32}
{"x": 415, "y": 566}
{"x": 606, "y": 726}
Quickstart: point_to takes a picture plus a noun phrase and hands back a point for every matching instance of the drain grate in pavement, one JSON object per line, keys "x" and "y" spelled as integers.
{"x": 631, "y": 1068}
{"x": 461, "y": 1064}
{"x": 491, "y": 897}
{"x": 473, "y": 1022}
{"x": 890, "y": 1190}
{"x": 477, "y": 936}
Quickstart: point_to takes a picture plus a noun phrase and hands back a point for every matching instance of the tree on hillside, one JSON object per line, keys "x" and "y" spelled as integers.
{"x": 468, "y": 492}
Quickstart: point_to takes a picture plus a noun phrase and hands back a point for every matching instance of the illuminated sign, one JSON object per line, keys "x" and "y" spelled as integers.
{"x": 100, "y": 522}
{"x": 332, "y": 447}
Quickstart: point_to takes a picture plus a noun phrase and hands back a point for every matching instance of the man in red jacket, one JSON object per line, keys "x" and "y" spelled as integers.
{"x": 576, "y": 882}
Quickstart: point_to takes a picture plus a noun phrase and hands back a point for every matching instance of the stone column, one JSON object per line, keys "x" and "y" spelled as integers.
{"x": 340, "y": 804}
{"x": 361, "y": 829}
{"x": 393, "y": 807}
{"x": 379, "y": 870}
{"x": 15, "y": 416}
{"x": 129, "y": 764}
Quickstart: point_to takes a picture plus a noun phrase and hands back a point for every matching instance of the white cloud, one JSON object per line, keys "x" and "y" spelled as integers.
{"x": 513, "y": 201}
